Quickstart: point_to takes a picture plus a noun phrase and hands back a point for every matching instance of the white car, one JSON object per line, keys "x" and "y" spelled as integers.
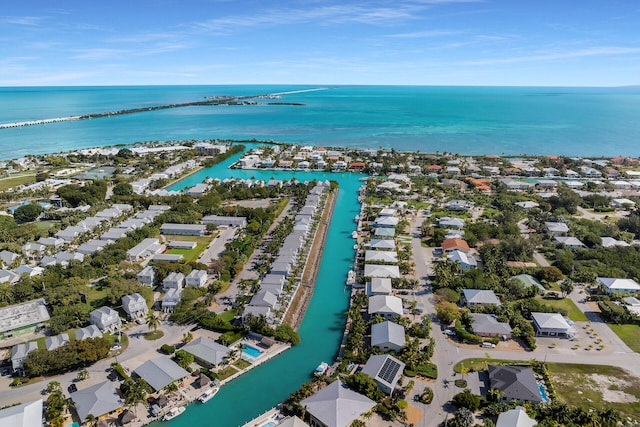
{"x": 449, "y": 332}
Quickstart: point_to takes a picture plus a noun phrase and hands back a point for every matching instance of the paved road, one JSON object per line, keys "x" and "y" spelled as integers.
{"x": 447, "y": 353}
{"x": 217, "y": 245}
{"x": 138, "y": 351}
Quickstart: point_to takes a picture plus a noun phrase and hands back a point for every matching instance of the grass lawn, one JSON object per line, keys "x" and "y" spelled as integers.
{"x": 228, "y": 315}
{"x": 94, "y": 294}
{"x": 226, "y": 372}
{"x": 480, "y": 364}
{"x": 598, "y": 387}
{"x": 11, "y": 182}
{"x": 630, "y": 334}
{"x": 191, "y": 254}
{"x": 241, "y": 364}
{"x": 153, "y": 335}
{"x": 573, "y": 311}
{"x": 43, "y": 225}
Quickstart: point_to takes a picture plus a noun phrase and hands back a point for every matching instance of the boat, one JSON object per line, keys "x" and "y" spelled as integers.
{"x": 354, "y": 235}
{"x": 321, "y": 369}
{"x": 173, "y": 412}
{"x": 357, "y": 218}
{"x": 207, "y": 395}
{"x": 351, "y": 277}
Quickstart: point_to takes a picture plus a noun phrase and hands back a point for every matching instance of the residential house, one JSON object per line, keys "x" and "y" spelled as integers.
{"x": 135, "y": 306}
{"x": 19, "y": 353}
{"x": 183, "y": 229}
{"x": 264, "y": 298}
{"x": 106, "y": 319}
{"x": 382, "y": 244}
{"x": 449, "y": 245}
{"x": 623, "y": 203}
{"x": 449, "y": 222}
{"x": 229, "y": 221}
{"x": 379, "y": 286}
{"x": 336, "y": 406}
{"x": 569, "y": 242}
{"x": 147, "y": 276}
{"x": 56, "y": 341}
{"x": 386, "y": 306}
{"x": 87, "y": 332}
{"x": 516, "y": 417}
{"x": 23, "y": 415}
{"x": 378, "y": 270}
{"x": 170, "y": 299}
{"x": 527, "y": 205}
{"x": 465, "y": 261}
{"x": 609, "y": 242}
{"x": 175, "y": 280}
{"x": 384, "y": 233}
{"x": 487, "y": 325}
{"x": 197, "y": 278}
{"x": 385, "y": 370}
{"x": 612, "y": 285}
{"x": 33, "y": 250}
{"x": 23, "y": 318}
{"x": 97, "y": 400}
{"x": 8, "y": 258}
{"x": 515, "y": 382}
{"x": 207, "y": 352}
{"x": 145, "y": 249}
{"x": 528, "y": 280}
{"x": 552, "y": 325}
{"x": 388, "y": 336}
{"x": 479, "y": 297}
{"x": 381, "y": 256}
{"x": 557, "y": 228}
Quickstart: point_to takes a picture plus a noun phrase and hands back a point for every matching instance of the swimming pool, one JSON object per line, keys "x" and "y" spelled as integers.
{"x": 251, "y": 351}
{"x": 543, "y": 393}
{"x": 268, "y": 424}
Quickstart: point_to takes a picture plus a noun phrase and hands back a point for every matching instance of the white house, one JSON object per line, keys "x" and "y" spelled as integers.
{"x": 385, "y": 305}
{"x": 135, "y": 306}
{"x": 387, "y": 336}
{"x": 171, "y": 299}
{"x": 197, "y": 278}
{"x": 552, "y": 324}
{"x": 175, "y": 280}
{"x": 612, "y": 285}
{"x": 105, "y": 318}
{"x": 147, "y": 276}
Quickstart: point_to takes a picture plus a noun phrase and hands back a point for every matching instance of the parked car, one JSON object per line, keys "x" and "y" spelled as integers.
{"x": 488, "y": 345}
{"x": 449, "y": 332}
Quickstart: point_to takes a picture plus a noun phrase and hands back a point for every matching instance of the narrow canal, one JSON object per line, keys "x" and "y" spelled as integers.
{"x": 321, "y": 331}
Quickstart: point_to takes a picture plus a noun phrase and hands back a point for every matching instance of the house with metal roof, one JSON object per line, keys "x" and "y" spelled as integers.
{"x": 147, "y": 276}
{"x": 8, "y": 257}
{"x": 173, "y": 258}
{"x": 487, "y": 325}
{"x": 23, "y": 318}
{"x": 570, "y": 242}
{"x": 207, "y": 351}
{"x": 197, "y": 278}
{"x": 228, "y": 221}
{"x": 557, "y": 228}
{"x": 479, "y": 297}
{"x": 516, "y": 417}
{"x": 8, "y": 276}
{"x": 264, "y": 298}
{"x": 527, "y": 281}
{"x": 24, "y": 415}
{"x": 336, "y": 405}
{"x": 612, "y": 284}
{"x": 385, "y": 305}
{"x": 33, "y": 250}
{"x": 552, "y": 325}
{"x": 516, "y": 382}
{"x": 385, "y": 371}
{"x": 388, "y": 336}
{"x": 135, "y": 306}
{"x": 183, "y": 229}
{"x": 379, "y": 286}
{"x": 92, "y": 246}
{"x": 382, "y": 244}
{"x": 256, "y": 311}
{"x": 145, "y": 249}
{"x": 384, "y": 233}
{"x": 106, "y": 319}
{"x": 160, "y": 372}
{"x": 114, "y": 234}
{"x": 19, "y": 353}
{"x": 464, "y": 260}
{"x": 170, "y": 299}
{"x": 380, "y": 256}
{"x": 174, "y": 280}
{"x": 293, "y": 422}
{"x": 378, "y": 270}
{"x": 449, "y": 222}
{"x": 56, "y": 341}
{"x": 87, "y": 332}
{"x": 98, "y": 400}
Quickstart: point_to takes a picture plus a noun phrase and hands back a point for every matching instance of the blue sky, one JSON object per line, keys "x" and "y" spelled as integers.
{"x": 396, "y": 42}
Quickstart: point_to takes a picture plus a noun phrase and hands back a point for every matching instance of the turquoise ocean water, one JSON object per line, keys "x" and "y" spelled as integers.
{"x": 321, "y": 331}
{"x": 468, "y": 120}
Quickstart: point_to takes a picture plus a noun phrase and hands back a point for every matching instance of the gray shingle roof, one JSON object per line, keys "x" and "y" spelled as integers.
{"x": 207, "y": 349}
{"x": 387, "y": 332}
{"x": 336, "y": 405}
{"x": 99, "y": 399}
{"x": 517, "y": 382}
{"x": 160, "y": 372}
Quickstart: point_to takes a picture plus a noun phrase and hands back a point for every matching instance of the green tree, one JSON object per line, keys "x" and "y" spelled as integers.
{"x": 566, "y": 287}
{"x": 153, "y": 321}
{"x": 447, "y": 312}
{"x": 123, "y": 189}
{"x": 27, "y": 213}
{"x": 468, "y": 400}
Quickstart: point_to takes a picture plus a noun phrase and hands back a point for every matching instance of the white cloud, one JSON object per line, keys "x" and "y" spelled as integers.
{"x": 551, "y": 56}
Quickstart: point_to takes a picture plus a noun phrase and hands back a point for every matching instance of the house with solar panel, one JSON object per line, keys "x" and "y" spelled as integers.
{"x": 385, "y": 371}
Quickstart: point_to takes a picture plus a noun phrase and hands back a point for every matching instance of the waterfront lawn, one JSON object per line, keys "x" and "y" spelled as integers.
{"x": 573, "y": 312}
{"x": 241, "y": 364}
{"x": 630, "y": 334}
{"x": 226, "y": 372}
{"x": 597, "y": 386}
{"x": 191, "y": 254}
{"x": 11, "y": 182}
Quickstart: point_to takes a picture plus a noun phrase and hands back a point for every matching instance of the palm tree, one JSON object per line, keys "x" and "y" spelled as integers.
{"x": 153, "y": 321}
